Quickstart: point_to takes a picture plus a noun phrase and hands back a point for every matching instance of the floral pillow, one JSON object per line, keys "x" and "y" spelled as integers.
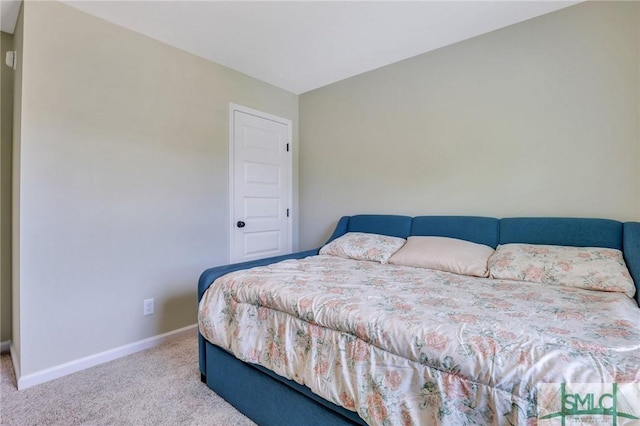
{"x": 364, "y": 246}
{"x": 592, "y": 268}
{"x": 444, "y": 254}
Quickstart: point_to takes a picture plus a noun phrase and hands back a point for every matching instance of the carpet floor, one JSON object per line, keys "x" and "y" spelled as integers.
{"x": 159, "y": 386}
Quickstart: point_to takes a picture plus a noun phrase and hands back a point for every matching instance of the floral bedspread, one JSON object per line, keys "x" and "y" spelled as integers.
{"x": 404, "y": 345}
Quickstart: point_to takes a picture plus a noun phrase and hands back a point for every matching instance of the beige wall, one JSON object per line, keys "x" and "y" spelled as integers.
{"x": 123, "y": 188}
{"x": 18, "y": 44}
{"x": 540, "y": 118}
{"x": 6, "y": 123}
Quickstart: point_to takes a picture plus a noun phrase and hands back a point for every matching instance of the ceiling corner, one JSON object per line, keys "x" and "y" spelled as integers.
{"x": 9, "y": 10}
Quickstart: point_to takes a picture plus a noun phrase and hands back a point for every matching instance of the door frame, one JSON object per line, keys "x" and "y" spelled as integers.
{"x": 231, "y": 211}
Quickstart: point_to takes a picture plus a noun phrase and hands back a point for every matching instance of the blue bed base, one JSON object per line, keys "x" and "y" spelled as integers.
{"x": 269, "y": 399}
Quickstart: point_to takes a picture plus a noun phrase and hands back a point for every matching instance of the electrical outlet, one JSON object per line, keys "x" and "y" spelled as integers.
{"x": 147, "y": 308}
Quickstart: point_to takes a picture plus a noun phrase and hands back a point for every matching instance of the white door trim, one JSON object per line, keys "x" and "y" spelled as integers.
{"x": 232, "y": 216}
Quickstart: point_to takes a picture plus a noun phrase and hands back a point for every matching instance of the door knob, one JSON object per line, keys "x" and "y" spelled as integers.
{"x": 240, "y": 224}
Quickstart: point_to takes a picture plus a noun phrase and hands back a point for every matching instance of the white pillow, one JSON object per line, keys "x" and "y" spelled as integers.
{"x": 364, "y": 246}
{"x": 444, "y": 254}
{"x": 592, "y": 268}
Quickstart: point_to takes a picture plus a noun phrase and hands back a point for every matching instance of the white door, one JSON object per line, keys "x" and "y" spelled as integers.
{"x": 260, "y": 185}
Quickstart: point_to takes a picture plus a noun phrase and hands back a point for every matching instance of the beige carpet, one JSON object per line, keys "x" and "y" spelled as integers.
{"x": 160, "y": 386}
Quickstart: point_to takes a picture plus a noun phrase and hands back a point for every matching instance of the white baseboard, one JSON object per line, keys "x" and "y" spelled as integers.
{"x": 14, "y": 360}
{"x": 48, "y": 374}
{"x": 5, "y": 346}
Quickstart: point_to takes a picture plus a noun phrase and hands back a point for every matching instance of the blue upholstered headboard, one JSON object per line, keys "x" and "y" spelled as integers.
{"x": 631, "y": 250}
{"x": 491, "y": 231}
{"x": 560, "y": 231}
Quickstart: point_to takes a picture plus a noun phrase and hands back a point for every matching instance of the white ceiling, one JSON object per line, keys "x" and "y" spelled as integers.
{"x": 302, "y": 45}
{"x": 9, "y": 10}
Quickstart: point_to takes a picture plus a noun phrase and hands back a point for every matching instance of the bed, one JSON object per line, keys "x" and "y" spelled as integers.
{"x": 328, "y": 337}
